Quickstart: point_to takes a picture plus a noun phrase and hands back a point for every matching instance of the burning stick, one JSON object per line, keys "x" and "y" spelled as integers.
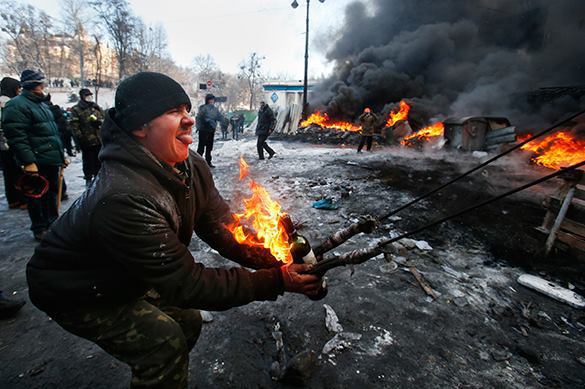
{"x": 354, "y": 257}
{"x": 366, "y": 224}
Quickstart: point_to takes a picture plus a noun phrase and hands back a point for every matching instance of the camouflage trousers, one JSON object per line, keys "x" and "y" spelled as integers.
{"x": 155, "y": 342}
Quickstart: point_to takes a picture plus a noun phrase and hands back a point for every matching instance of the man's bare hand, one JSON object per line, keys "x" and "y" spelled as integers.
{"x": 31, "y": 168}
{"x": 297, "y": 282}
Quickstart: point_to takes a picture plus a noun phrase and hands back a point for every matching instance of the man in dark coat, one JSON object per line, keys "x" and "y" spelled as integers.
{"x": 207, "y": 118}
{"x": 368, "y": 120}
{"x": 128, "y": 237}
{"x": 265, "y": 126}
{"x": 33, "y": 136}
{"x": 10, "y": 88}
{"x": 234, "y": 122}
{"x": 86, "y": 119}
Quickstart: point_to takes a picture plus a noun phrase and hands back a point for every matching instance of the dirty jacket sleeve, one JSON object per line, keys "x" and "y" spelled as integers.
{"x": 132, "y": 230}
{"x": 16, "y": 125}
{"x": 211, "y": 228}
{"x": 74, "y": 123}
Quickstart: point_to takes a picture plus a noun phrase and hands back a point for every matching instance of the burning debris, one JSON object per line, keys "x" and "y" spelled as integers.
{"x": 557, "y": 150}
{"x": 323, "y": 120}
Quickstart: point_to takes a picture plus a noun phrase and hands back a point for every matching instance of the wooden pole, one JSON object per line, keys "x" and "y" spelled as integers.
{"x": 550, "y": 241}
{"x": 60, "y": 188}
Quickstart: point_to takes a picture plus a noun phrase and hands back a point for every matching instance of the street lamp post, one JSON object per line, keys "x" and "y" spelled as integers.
{"x": 295, "y": 4}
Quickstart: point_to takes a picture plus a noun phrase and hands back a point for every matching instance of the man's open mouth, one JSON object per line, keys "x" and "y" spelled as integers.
{"x": 185, "y": 139}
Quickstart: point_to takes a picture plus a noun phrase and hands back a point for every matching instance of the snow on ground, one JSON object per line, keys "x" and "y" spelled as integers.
{"x": 484, "y": 330}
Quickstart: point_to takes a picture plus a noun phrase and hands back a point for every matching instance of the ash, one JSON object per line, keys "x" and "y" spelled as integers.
{"x": 482, "y": 330}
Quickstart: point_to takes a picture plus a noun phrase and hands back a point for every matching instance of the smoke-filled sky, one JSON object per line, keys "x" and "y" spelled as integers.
{"x": 456, "y": 57}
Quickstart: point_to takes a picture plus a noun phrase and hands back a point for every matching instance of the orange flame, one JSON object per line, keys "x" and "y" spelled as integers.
{"x": 259, "y": 224}
{"x": 402, "y": 114}
{"x": 557, "y": 150}
{"x": 424, "y": 134}
{"x": 244, "y": 170}
{"x": 323, "y": 120}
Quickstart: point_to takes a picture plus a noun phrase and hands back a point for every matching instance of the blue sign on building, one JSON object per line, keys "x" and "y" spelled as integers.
{"x": 274, "y": 97}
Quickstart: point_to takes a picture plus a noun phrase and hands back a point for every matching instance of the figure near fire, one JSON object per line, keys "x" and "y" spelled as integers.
{"x": 116, "y": 268}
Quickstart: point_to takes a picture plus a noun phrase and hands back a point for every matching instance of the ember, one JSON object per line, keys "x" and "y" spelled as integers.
{"x": 259, "y": 224}
{"x": 402, "y": 114}
{"x": 557, "y": 150}
{"x": 432, "y": 131}
{"x": 323, "y": 120}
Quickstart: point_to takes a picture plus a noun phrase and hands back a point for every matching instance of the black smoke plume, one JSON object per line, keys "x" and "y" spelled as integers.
{"x": 459, "y": 58}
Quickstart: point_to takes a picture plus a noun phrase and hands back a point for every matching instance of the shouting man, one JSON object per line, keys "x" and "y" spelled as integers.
{"x": 126, "y": 240}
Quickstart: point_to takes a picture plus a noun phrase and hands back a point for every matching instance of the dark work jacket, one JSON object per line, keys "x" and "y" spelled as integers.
{"x": 266, "y": 121}
{"x": 32, "y": 133}
{"x": 368, "y": 121}
{"x": 207, "y": 118}
{"x": 130, "y": 231}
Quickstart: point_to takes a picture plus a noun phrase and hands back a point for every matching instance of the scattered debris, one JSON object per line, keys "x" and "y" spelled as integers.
{"x": 299, "y": 369}
{"x": 278, "y": 367}
{"x": 423, "y": 283}
{"x": 340, "y": 342}
{"x": 381, "y": 342}
{"x": 331, "y": 320}
{"x": 552, "y": 290}
{"x": 501, "y": 355}
{"x": 206, "y": 316}
{"x": 326, "y": 204}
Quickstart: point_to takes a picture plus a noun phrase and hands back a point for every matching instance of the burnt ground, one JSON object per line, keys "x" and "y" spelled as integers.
{"x": 484, "y": 330}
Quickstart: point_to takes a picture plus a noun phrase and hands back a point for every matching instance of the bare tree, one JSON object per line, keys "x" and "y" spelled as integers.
{"x": 250, "y": 72}
{"x": 76, "y": 16}
{"x": 150, "y": 48}
{"x": 120, "y": 25}
{"x": 28, "y": 32}
{"x": 204, "y": 67}
{"x": 97, "y": 52}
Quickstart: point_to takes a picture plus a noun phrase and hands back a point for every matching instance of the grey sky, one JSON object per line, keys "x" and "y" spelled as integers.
{"x": 231, "y": 29}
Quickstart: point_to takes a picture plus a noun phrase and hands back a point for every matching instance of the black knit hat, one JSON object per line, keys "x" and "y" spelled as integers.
{"x": 145, "y": 96}
{"x": 29, "y": 79}
{"x": 85, "y": 92}
{"x": 9, "y": 86}
{"x": 209, "y": 97}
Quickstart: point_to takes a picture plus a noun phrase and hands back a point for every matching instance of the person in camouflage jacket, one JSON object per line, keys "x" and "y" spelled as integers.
{"x": 369, "y": 121}
{"x": 86, "y": 119}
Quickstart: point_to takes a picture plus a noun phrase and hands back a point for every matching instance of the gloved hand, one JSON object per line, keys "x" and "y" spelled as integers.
{"x": 297, "y": 282}
{"x": 31, "y": 168}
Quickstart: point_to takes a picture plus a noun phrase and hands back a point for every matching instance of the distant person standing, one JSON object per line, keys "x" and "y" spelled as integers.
{"x": 224, "y": 124}
{"x": 86, "y": 119}
{"x": 9, "y": 88}
{"x": 33, "y": 136}
{"x": 206, "y": 121}
{"x": 368, "y": 120}
{"x": 265, "y": 127}
{"x": 234, "y": 122}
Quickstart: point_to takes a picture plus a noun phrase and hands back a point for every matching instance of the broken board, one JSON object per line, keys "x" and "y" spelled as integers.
{"x": 553, "y": 290}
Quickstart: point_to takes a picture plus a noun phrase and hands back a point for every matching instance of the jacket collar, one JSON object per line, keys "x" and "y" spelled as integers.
{"x": 31, "y": 96}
